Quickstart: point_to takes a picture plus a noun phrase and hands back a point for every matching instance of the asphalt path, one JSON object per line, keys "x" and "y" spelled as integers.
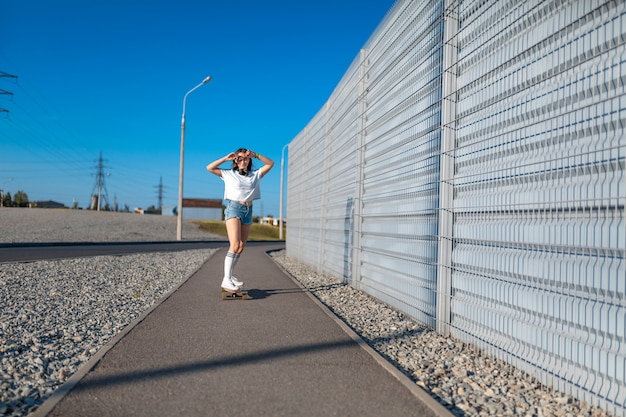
{"x": 281, "y": 353}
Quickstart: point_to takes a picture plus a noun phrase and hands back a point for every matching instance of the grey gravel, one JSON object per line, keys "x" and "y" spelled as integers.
{"x": 93, "y": 299}
{"x": 31, "y": 225}
{"x": 466, "y": 381}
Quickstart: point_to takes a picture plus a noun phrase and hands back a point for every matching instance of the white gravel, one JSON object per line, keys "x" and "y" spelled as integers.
{"x": 56, "y": 314}
{"x": 24, "y": 225}
{"x": 92, "y": 299}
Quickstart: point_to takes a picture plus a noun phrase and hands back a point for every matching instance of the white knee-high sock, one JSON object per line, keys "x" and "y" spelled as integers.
{"x": 235, "y": 260}
{"x": 229, "y": 263}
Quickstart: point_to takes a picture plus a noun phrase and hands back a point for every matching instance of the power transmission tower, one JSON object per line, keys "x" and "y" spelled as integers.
{"x": 96, "y": 199}
{"x": 8, "y": 93}
{"x": 160, "y": 193}
{"x": 5, "y": 75}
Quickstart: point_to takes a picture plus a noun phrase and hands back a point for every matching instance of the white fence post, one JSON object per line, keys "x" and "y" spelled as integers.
{"x": 446, "y": 170}
{"x": 360, "y": 159}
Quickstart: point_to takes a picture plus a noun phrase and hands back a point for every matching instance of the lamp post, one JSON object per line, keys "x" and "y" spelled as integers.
{"x": 282, "y": 168}
{"x": 179, "y": 220}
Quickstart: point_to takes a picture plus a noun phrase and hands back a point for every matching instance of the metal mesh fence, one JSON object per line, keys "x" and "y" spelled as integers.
{"x": 468, "y": 170}
{"x": 538, "y": 258}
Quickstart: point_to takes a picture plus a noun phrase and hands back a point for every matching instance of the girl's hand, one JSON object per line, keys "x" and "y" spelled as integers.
{"x": 231, "y": 156}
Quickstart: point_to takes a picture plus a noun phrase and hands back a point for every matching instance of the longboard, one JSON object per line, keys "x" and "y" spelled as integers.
{"x": 233, "y": 295}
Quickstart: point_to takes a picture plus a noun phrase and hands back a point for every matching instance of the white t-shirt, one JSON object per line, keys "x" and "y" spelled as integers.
{"x": 238, "y": 187}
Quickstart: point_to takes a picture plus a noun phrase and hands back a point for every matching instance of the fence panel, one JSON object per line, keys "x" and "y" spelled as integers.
{"x": 400, "y": 162}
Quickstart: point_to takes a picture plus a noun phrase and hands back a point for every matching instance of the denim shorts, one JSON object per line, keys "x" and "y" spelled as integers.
{"x": 238, "y": 210}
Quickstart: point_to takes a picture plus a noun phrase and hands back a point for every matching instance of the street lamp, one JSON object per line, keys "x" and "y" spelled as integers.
{"x": 179, "y": 220}
{"x": 282, "y": 168}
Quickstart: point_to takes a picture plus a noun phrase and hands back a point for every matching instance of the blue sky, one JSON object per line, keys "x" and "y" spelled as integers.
{"x": 110, "y": 76}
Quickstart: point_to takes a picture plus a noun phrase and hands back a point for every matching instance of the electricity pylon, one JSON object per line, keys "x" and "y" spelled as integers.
{"x": 100, "y": 186}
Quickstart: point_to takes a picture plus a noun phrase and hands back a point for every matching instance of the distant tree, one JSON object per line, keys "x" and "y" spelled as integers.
{"x": 126, "y": 209}
{"x": 20, "y": 199}
{"x": 6, "y": 200}
{"x": 152, "y": 210}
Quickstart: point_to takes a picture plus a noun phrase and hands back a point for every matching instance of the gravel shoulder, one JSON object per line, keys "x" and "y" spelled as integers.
{"x": 93, "y": 299}
{"x": 466, "y": 381}
{"x": 34, "y": 225}
{"x": 56, "y": 314}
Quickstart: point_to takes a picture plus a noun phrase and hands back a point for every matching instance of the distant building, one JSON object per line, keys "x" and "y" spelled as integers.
{"x": 45, "y": 204}
{"x": 272, "y": 221}
{"x": 198, "y": 209}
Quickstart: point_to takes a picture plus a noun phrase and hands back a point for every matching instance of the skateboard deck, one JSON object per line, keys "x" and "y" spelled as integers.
{"x": 233, "y": 295}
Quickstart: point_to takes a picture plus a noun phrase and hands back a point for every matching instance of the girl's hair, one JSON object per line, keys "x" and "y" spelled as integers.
{"x": 235, "y": 166}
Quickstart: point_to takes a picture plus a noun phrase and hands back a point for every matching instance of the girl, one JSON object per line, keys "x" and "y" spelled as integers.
{"x": 241, "y": 187}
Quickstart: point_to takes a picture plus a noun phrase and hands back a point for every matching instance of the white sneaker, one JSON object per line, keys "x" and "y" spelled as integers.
{"x": 228, "y": 285}
{"x": 236, "y": 281}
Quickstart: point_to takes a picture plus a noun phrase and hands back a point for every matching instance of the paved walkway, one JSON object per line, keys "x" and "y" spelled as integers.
{"x": 278, "y": 354}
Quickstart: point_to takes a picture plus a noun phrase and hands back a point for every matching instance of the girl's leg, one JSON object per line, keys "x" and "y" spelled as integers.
{"x": 233, "y": 229}
{"x": 237, "y": 237}
{"x": 245, "y": 231}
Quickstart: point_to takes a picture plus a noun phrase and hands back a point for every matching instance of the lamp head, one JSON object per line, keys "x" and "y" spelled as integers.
{"x": 206, "y": 80}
